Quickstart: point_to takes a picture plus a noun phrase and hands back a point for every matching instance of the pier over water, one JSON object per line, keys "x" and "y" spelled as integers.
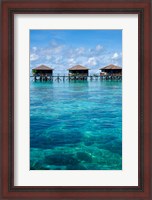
{"x": 70, "y": 78}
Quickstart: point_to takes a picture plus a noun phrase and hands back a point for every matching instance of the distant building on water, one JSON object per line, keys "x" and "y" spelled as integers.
{"x": 42, "y": 70}
{"x": 111, "y": 70}
{"x": 78, "y": 70}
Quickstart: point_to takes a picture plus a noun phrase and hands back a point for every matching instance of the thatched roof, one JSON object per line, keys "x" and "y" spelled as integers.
{"x": 78, "y": 67}
{"x": 42, "y": 67}
{"x": 111, "y": 67}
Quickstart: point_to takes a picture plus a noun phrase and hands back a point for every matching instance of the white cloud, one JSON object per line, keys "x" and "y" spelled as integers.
{"x": 58, "y": 49}
{"x": 115, "y": 56}
{"x": 48, "y": 57}
{"x": 58, "y": 59}
{"x": 99, "y": 47}
{"x": 80, "y": 51}
{"x": 92, "y": 61}
{"x": 61, "y": 57}
{"x": 53, "y": 42}
{"x": 71, "y": 61}
{"x": 34, "y": 57}
{"x": 34, "y": 48}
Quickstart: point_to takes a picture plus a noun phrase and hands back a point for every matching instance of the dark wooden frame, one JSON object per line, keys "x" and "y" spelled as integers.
{"x": 10, "y": 7}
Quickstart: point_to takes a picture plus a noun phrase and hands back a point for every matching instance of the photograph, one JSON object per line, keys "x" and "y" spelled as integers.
{"x": 76, "y": 99}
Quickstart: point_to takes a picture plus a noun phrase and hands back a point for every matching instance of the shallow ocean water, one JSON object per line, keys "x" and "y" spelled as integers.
{"x": 76, "y": 125}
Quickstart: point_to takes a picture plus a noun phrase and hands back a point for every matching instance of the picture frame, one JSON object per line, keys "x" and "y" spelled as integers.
{"x": 9, "y": 9}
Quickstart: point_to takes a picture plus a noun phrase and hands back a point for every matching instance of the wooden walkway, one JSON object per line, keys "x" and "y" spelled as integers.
{"x": 70, "y": 78}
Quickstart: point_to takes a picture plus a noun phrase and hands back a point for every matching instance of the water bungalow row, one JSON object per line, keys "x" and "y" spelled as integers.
{"x": 78, "y": 72}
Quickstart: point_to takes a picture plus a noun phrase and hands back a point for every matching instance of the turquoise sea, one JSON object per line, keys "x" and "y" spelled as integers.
{"x": 76, "y": 125}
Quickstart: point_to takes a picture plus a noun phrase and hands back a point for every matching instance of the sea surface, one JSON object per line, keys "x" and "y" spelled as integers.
{"x": 76, "y": 125}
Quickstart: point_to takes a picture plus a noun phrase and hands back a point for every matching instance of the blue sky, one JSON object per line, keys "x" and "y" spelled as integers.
{"x": 61, "y": 49}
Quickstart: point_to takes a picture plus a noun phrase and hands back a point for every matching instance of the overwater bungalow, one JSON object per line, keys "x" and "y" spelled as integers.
{"x": 111, "y": 70}
{"x": 42, "y": 70}
{"x": 78, "y": 70}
